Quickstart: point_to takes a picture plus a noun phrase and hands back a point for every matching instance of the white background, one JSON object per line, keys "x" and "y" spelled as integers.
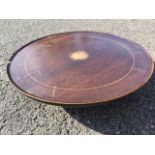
{"x": 65, "y": 9}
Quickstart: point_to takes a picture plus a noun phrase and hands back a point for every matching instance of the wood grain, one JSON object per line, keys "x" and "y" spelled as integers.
{"x": 79, "y": 68}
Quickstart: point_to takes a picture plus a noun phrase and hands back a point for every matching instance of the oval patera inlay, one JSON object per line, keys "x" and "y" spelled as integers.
{"x": 79, "y": 55}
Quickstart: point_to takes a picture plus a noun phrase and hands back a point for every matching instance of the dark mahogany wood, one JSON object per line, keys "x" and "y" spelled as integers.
{"x": 80, "y": 68}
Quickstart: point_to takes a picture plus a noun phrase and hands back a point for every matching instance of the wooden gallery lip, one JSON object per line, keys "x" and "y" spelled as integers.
{"x": 79, "y": 68}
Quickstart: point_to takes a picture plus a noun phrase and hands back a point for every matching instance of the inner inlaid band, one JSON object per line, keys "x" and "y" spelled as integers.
{"x": 84, "y": 89}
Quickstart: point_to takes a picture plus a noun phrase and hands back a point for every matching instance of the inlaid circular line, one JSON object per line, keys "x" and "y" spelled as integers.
{"x": 81, "y": 89}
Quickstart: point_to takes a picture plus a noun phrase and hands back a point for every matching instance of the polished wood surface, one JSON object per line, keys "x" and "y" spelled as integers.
{"x": 79, "y": 68}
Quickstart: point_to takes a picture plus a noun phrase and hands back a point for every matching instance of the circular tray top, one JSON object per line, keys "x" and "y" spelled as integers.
{"x": 79, "y": 68}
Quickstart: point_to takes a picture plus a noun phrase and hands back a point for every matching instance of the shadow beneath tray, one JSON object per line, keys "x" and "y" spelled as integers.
{"x": 134, "y": 114}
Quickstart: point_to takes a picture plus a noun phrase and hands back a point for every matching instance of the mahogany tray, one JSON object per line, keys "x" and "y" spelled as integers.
{"x": 79, "y": 68}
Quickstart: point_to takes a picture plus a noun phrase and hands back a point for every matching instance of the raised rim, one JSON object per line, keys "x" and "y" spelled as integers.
{"x": 74, "y": 104}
